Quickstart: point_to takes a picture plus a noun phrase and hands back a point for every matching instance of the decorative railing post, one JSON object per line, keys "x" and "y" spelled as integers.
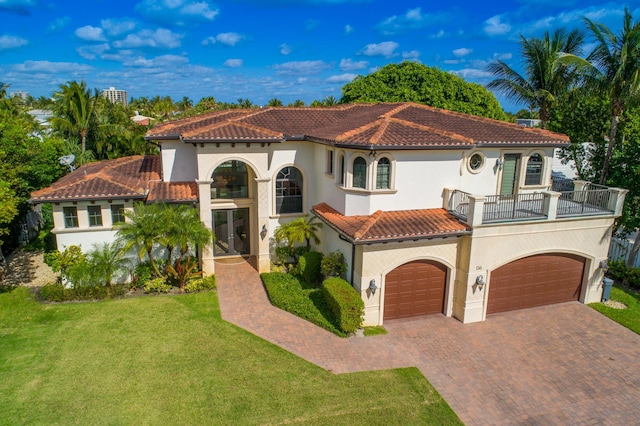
{"x": 550, "y": 204}
{"x": 616, "y": 201}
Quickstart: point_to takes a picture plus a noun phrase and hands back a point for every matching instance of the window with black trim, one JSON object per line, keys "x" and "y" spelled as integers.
{"x": 117, "y": 213}
{"x": 383, "y": 173}
{"x": 534, "y": 170}
{"x": 230, "y": 180}
{"x": 476, "y": 161}
{"x": 359, "y": 173}
{"x": 70, "y": 217}
{"x": 95, "y": 215}
{"x": 341, "y": 170}
{"x": 329, "y": 169}
{"x": 289, "y": 191}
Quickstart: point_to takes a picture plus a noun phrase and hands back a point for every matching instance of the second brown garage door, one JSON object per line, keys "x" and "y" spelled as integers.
{"x": 535, "y": 281}
{"x": 415, "y": 288}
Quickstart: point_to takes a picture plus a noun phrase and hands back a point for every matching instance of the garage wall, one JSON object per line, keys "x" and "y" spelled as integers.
{"x": 493, "y": 246}
{"x": 380, "y": 259}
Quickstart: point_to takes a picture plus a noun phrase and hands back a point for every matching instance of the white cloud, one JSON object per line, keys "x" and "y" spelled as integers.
{"x": 351, "y": 65}
{"x": 285, "y": 49}
{"x": 59, "y": 23}
{"x": 233, "y": 63}
{"x": 386, "y": 49}
{"x": 301, "y": 67}
{"x": 568, "y": 18}
{"x": 463, "y": 51}
{"x": 93, "y": 51}
{"x": 348, "y": 29}
{"x": 495, "y": 26}
{"x": 412, "y": 54}
{"x": 90, "y": 33}
{"x": 160, "y": 38}
{"x": 11, "y": 42}
{"x": 473, "y": 73}
{"x": 413, "y": 19}
{"x": 342, "y": 78}
{"x": 230, "y": 39}
{"x": 439, "y": 34}
{"x": 503, "y": 56}
{"x": 116, "y": 27}
{"x": 177, "y": 12}
{"x": 51, "y": 67}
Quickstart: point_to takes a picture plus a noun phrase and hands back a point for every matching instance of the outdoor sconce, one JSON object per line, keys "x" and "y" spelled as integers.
{"x": 372, "y": 154}
{"x": 499, "y": 163}
{"x": 604, "y": 264}
{"x": 373, "y": 287}
{"x": 264, "y": 229}
{"x": 480, "y": 281}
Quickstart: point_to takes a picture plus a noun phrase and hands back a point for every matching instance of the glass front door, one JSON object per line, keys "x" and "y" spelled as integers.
{"x": 232, "y": 232}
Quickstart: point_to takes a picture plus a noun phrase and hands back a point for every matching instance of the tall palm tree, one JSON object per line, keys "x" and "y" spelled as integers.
{"x": 106, "y": 260}
{"x": 299, "y": 230}
{"x": 75, "y": 109}
{"x": 274, "y": 102}
{"x": 183, "y": 230}
{"x": 142, "y": 230}
{"x": 546, "y": 75}
{"x": 614, "y": 71}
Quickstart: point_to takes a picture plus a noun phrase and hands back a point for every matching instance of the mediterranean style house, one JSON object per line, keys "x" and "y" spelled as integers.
{"x": 435, "y": 211}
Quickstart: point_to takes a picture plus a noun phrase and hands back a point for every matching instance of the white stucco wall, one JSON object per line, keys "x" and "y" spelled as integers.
{"x": 178, "y": 161}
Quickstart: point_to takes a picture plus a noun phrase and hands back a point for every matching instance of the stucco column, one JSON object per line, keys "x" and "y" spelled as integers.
{"x": 204, "y": 196}
{"x": 616, "y": 202}
{"x": 476, "y": 208}
{"x": 550, "y": 204}
{"x": 264, "y": 262}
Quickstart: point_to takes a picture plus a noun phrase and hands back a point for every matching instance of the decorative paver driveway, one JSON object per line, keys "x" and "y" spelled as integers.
{"x": 562, "y": 364}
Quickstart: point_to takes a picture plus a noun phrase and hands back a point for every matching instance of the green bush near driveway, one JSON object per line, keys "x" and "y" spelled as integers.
{"x": 173, "y": 360}
{"x": 58, "y": 293}
{"x": 309, "y": 266}
{"x": 288, "y": 293}
{"x": 345, "y": 302}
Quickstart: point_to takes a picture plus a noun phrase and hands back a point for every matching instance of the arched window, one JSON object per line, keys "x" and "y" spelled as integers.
{"x": 383, "y": 173}
{"x": 359, "y": 173}
{"x": 289, "y": 191}
{"x": 230, "y": 180}
{"x": 534, "y": 170}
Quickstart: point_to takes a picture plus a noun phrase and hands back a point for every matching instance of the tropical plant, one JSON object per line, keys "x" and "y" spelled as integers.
{"x": 183, "y": 271}
{"x": 613, "y": 70}
{"x": 546, "y": 76}
{"x": 298, "y": 231}
{"x": 183, "y": 229}
{"x": 75, "y": 110}
{"x": 106, "y": 261}
{"x": 274, "y": 102}
{"x": 142, "y": 230}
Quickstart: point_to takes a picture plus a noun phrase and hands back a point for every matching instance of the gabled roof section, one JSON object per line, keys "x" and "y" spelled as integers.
{"x": 126, "y": 177}
{"x": 371, "y": 126}
{"x": 385, "y": 226}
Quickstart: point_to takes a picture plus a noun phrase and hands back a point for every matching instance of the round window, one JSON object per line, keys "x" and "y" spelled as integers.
{"x": 475, "y": 162}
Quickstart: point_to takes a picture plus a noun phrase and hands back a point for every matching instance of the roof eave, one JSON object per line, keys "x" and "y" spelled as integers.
{"x": 97, "y": 198}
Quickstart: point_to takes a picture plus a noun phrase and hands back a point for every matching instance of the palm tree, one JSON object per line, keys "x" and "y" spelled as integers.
{"x": 142, "y": 230}
{"x": 106, "y": 260}
{"x": 184, "y": 230}
{"x": 546, "y": 74}
{"x": 274, "y": 102}
{"x": 74, "y": 110}
{"x": 614, "y": 71}
{"x": 3, "y": 90}
{"x": 299, "y": 230}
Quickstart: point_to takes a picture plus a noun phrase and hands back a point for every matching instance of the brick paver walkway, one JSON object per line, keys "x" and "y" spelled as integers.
{"x": 562, "y": 364}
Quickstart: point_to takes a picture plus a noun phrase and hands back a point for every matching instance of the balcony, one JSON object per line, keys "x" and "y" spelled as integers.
{"x": 585, "y": 199}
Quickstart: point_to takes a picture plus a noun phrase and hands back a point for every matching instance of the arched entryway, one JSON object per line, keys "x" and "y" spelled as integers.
{"x": 233, "y": 208}
{"x": 543, "y": 279}
{"x": 415, "y": 288}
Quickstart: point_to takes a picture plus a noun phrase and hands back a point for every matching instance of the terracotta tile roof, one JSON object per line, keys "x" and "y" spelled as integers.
{"x": 392, "y": 125}
{"x": 173, "y": 192}
{"x": 392, "y": 225}
{"x": 126, "y": 177}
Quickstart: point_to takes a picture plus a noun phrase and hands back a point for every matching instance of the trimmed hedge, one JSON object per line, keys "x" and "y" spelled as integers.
{"x": 58, "y": 293}
{"x": 309, "y": 266}
{"x": 200, "y": 284}
{"x": 287, "y": 293}
{"x": 345, "y": 302}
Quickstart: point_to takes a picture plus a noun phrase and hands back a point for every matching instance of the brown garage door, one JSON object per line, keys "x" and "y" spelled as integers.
{"x": 415, "y": 288}
{"x": 535, "y": 281}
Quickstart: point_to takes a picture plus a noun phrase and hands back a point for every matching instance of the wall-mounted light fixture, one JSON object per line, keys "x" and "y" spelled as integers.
{"x": 264, "y": 229}
{"x": 604, "y": 264}
{"x": 373, "y": 154}
{"x": 373, "y": 287}
{"x": 480, "y": 281}
{"x": 499, "y": 163}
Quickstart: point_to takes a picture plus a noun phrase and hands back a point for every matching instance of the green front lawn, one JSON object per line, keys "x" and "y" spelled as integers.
{"x": 172, "y": 360}
{"x": 629, "y": 317}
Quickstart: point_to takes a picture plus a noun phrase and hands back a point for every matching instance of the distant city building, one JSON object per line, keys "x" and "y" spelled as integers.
{"x": 19, "y": 94}
{"x": 42, "y": 116}
{"x": 115, "y": 95}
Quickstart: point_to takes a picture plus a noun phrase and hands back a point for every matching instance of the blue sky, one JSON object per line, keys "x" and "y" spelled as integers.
{"x": 261, "y": 49}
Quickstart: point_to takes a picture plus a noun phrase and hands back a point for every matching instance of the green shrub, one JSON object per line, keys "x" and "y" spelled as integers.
{"x": 619, "y": 271}
{"x": 53, "y": 292}
{"x": 309, "y": 266}
{"x": 157, "y": 285}
{"x": 287, "y": 293}
{"x": 201, "y": 284}
{"x": 58, "y": 293}
{"x": 345, "y": 302}
{"x": 334, "y": 265}
{"x": 141, "y": 275}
